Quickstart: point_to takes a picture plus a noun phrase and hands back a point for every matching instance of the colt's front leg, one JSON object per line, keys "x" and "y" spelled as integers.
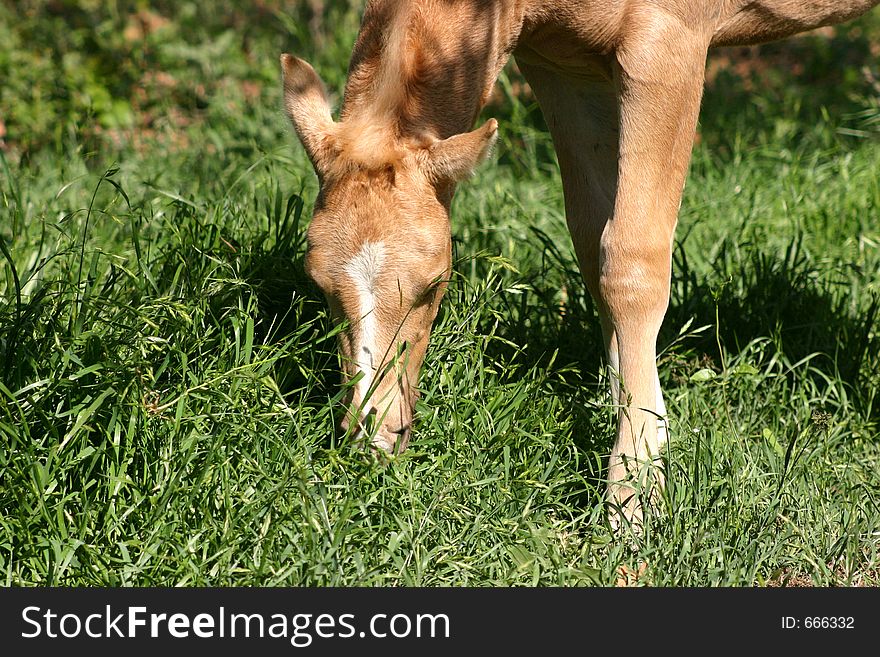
{"x": 660, "y": 71}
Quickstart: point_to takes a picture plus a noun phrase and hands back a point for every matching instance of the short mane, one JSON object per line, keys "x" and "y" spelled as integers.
{"x": 383, "y": 93}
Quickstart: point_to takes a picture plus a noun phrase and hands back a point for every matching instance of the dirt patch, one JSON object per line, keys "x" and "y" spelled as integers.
{"x": 791, "y": 578}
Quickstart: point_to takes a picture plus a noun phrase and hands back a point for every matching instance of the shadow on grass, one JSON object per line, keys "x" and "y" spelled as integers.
{"x": 782, "y": 297}
{"x": 291, "y": 307}
{"x": 554, "y": 326}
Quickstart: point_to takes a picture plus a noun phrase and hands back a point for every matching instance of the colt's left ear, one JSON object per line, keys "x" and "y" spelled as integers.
{"x": 456, "y": 158}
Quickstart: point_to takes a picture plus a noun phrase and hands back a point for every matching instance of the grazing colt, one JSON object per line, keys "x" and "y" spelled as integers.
{"x": 619, "y": 82}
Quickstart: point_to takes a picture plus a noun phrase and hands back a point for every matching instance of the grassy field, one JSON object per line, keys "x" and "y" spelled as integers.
{"x": 168, "y": 378}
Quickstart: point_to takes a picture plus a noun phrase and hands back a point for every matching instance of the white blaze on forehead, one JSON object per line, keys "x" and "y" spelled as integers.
{"x": 363, "y": 269}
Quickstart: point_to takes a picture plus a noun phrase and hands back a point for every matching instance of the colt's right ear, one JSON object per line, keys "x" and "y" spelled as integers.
{"x": 306, "y": 104}
{"x": 455, "y": 158}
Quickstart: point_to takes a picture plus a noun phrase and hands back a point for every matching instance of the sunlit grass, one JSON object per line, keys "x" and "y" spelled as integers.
{"x": 168, "y": 385}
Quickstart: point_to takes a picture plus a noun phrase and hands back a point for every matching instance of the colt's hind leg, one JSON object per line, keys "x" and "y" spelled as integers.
{"x": 582, "y": 116}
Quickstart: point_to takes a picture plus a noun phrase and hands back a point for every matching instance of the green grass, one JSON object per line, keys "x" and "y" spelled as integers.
{"x": 168, "y": 378}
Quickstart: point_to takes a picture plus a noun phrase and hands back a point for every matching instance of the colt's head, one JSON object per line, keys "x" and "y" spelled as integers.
{"x": 379, "y": 245}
